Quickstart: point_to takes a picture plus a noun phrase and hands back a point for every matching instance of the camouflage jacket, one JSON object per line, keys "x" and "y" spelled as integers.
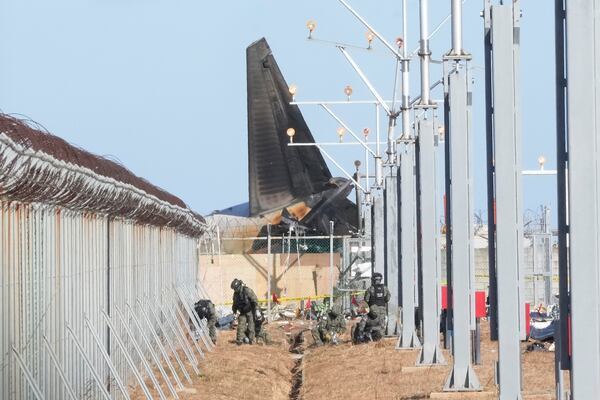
{"x": 244, "y": 300}
{"x": 337, "y": 324}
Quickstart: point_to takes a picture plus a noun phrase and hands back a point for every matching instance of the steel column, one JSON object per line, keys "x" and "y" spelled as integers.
{"x": 378, "y": 234}
{"x": 462, "y": 377}
{"x": 391, "y": 249}
{"x": 507, "y": 174}
{"x": 408, "y": 246}
{"x": 583, "y": 124}
{"x": 430, "y": 353}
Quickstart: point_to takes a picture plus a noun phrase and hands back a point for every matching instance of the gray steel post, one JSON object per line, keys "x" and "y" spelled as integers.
{"x": 491, "y": 201}
{"x": 331, "y": 264}
{"x": 269, "y": 271}
{"x": 506, "y": 136}
{"x": 407, "y": 237}
{"x": 462, "y": 376}
{"x": 561, "y": 182}
{"x": 391, "y": 248}
{"x": 583, "y": 124}
{"x": 430, "y": 353}
{"x": 377, "y": 234}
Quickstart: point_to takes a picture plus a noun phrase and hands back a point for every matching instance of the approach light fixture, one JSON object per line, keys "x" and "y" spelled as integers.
{"x": 293, "y": 89}
{"x": 311, "y": 24}
{"x": 370, "y": 36}
{"x": 291, "y": 132}
{"x": 399, "y": 42}
{"x": 357, "y": 164}
{"x": 348, "y": 91}
{"x": 366, "y": 132}
{"x": 541, "y": 161}
{"x": 340, "y": 132}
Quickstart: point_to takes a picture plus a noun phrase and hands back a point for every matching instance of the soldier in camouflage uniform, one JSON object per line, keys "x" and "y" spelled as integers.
{"x": 377, "y": 296}
{"x": 370, "y": 327}
{"x": 206, "y": 309}
{"x": 246, "y": 302}
{"x": 331, "y": 324}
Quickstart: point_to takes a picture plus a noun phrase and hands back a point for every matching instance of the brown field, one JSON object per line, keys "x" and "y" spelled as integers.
{"x": 375, "y": 371}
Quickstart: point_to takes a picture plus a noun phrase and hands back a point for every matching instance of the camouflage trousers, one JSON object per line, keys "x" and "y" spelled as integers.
{"x": 245, "y": 324}
{"x": 212, "y": 328}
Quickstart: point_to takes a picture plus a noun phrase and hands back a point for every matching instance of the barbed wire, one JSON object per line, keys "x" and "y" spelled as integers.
{"x": 36, "y": 166}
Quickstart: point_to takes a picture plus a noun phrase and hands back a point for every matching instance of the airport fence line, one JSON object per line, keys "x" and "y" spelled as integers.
{"x": 98, "y": 274}
{"x": 66, "y": 277}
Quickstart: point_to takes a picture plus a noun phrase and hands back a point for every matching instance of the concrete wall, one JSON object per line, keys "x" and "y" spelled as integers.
{"x": 289, "y": 278}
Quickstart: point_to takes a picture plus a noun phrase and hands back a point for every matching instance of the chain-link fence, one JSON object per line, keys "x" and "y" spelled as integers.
{"x": 284, "y": 269}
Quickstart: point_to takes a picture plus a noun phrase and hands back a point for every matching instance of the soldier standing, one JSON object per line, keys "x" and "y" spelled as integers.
{"x": 329, "y": 327}
{"x": 206, "y": 309}
{"x": 377, "y": 295}
{"x": 246, "y": 302}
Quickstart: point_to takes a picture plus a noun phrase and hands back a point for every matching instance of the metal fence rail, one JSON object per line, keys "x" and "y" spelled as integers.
{"x": 60, "y": 270}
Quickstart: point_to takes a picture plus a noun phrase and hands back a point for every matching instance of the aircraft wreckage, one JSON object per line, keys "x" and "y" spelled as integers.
{"x": 289, "y": 187}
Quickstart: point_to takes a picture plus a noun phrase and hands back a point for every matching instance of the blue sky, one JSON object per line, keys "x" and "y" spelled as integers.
{"x": 161, "y": 85}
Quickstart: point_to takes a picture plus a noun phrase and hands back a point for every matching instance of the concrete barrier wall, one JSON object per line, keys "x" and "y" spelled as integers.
{"x": 290, "y": 278}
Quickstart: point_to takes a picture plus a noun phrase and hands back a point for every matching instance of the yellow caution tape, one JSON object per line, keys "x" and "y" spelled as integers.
{"x": 288, "y": 299}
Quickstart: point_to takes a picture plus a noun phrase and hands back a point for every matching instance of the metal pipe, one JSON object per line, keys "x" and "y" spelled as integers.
{"x": 269, "y": 271}
{"x": 347, "y": 128}
{"x": 366, "y": 81}
{"x": 358, "y": 185}
{"x": 369, "y": 27}
{"x": 424, "y": 52}
{"x": 331, "y": 263}
{"x": 456, "y": 28}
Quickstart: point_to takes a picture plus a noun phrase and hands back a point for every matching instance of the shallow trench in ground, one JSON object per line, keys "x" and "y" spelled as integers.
{"x": 291, "y": 369}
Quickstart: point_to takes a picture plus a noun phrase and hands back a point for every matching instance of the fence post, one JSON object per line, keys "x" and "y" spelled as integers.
{"x": 269, "y": 270}
{"x": 330, "y": 263}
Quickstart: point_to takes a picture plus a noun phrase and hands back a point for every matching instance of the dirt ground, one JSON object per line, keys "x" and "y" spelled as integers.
{"x": 375, "y": 371}
{"x": 239, "y": 372}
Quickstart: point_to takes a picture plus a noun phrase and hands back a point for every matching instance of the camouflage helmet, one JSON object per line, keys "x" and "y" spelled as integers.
{"x": 236, "y": 284}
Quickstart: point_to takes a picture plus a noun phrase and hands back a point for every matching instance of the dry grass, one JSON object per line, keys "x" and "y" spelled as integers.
{"x": 373, "y": 371}
{"x": 240, "y": 372}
